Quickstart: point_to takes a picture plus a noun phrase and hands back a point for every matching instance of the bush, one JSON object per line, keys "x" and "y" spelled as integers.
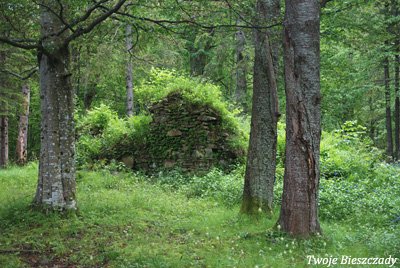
{"x": 103, "y": 136}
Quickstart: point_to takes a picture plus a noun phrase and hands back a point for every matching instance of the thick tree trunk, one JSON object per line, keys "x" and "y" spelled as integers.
{"x": 21, "y": 157}
{"x": 389, "y": 135}
{"x": 299, "y": 211}
{"x": 56, "y": 183}
{"x": 3, "y": 141}
{"x": 261, "y": 158}
{"x": 241, "y": 82}
{"x": 129, "y": 75}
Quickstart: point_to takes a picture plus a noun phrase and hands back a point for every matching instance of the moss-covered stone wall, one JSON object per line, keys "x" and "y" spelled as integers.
{"x": 184, "y": 135}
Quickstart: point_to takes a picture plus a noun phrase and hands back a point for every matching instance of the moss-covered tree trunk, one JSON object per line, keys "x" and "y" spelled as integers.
{"x": 56, "y": 183}
{"x": 261, "y": 158}
{"x": 299, "y": 211}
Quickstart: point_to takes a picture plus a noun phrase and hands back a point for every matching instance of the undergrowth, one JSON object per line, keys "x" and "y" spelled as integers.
{"x": 176, "y": 220}
{"x": 171, "y": 219}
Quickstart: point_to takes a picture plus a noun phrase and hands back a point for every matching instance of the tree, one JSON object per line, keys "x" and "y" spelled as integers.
{"x": 389, "y": 133}
{"x": 21, "y": 151}
{"x": 129, "y": 75}
{"x": 261, "y": 158}
{"x": 56, "y": 183}
{"x": 299, "y": 211}
{"x": 3, "y": 117}
{"x": 241, "y": 82}
{"x": 3, "y": 141}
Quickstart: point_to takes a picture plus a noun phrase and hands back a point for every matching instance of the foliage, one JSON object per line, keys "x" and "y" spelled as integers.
{"x": 131, "y": 220}
{"x": 195, "y": 91}
{"x": 223, "y": 188}
{"x": 103, "y": 136}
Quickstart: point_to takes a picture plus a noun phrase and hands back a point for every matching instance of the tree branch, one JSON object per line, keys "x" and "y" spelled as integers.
{"x": 82, "y": 31}
{"x": 19, "y": 43}
{"x": 209, "y": 27}
{"x": 76, "y": 22}
{"x": 324, "y": 2}
{"x": 31, "y": 72}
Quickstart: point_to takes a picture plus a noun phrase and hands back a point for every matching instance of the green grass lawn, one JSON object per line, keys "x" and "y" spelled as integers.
{"x": 127, "y": 220}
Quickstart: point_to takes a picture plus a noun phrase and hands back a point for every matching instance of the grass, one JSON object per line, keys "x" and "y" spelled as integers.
{"x": 129, "y": 220}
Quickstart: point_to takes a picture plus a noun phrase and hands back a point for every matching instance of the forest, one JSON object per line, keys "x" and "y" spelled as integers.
{"x": 195, "y": 133}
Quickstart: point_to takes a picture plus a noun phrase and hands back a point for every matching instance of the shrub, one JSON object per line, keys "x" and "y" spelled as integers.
{"x": 103, "y": 136}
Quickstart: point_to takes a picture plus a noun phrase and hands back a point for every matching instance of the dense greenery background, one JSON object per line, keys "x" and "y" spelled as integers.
{"x": 170, "y": 219}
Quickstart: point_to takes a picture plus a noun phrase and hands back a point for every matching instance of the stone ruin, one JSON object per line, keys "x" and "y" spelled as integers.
{"x": 187, "y": 136}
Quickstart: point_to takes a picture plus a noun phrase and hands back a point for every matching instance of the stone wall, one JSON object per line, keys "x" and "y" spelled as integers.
{"x": 187, "y": 136}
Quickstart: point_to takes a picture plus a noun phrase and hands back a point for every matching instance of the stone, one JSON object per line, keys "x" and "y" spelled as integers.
{"x": 209, "y": 152}
{"x": 156, "y": 106}
{"x": 174, "y": 132}
{"x": 128, "y": 161}
{"x": 223, "y": 162}
{"x": 206, "y": 118}
{"x": 212, "y": 146}
{"x": 197, "y": 154}
{"x": 168, "y": 163}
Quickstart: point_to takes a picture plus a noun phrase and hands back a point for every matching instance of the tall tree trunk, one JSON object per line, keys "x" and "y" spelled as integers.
{"x": 397, "y": 102}
{"x": 86, "y": 93}
{"x": 21, "y": 156}
{"x": 3, "y": 141}
{"x": 299, "y": 211}
{"x": 129, "y": 76}
{"x": 395, "y": 28}
{"x": 199, "y": 56}
{"x": 241, "y": 82}
{"x": 76, "y": 70}
{"x": 389, "y": 136}
{"x": 3, "y": 121}
{"x": 56, "y": 183}
{"x": 261, "y": 158}
{"x": 372, "y": 121}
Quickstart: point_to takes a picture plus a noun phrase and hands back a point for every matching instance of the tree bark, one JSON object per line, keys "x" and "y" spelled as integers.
{"x": 21, "y": 151}
{"x": 199, "y": 56}
{"x": 261, "y": 158}
{"x": 129, "y": 75}
{"x": 56, "y": 184}
{"x": 389, "y": 135}
{"x": 3, "y": 121}
{"x": 86, "y": 95}
{"x": 397, "y": 102}
{"x": 241, "y": 82}
{"x": 76, "y": 70}
{"x": 299, "y": 211}
{"x": 395, "y": 29}
{"x": 3, "y": 141}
